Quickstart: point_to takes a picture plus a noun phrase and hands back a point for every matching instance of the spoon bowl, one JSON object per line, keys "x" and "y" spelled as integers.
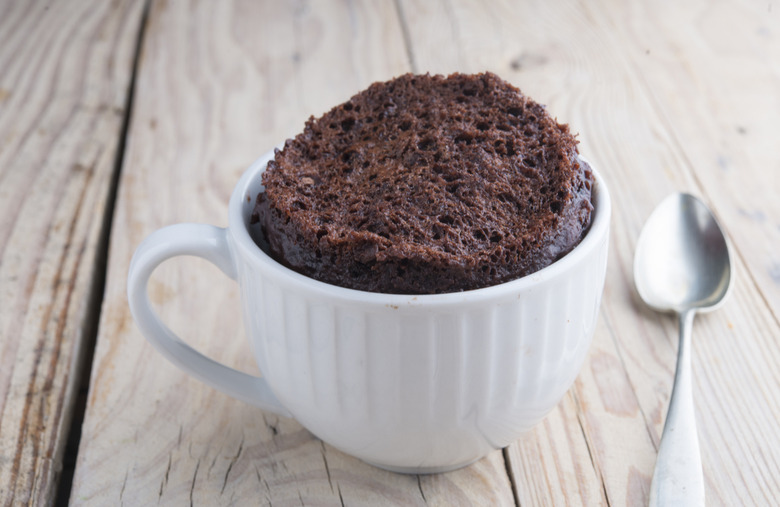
{"x": 682, "y": 265}
{"x": 682, "y": 257}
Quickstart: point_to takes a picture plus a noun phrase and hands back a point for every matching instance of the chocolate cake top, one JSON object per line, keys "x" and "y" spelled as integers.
{"x": 426, "y": 184}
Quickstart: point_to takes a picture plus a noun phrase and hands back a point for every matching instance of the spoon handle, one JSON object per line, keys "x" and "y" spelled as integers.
{"x": 678, "y": 478}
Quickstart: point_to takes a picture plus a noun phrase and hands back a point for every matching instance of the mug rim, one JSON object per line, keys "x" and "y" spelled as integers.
{"x": 238, "y": 225}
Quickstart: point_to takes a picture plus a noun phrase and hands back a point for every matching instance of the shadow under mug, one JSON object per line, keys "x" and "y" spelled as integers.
{"x": 414, "y": 384}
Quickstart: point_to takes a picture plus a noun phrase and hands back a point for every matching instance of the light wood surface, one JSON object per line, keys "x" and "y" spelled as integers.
{"x": 65, "y": 70}
{"x": 665, "y": 96}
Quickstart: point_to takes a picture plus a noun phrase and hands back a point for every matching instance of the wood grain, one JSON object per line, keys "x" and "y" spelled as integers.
{"x": 551, "y": 465}
{"x": 66, "y": 70}
{"x": 218, "y": 85}
{"x": 665, "y": 97}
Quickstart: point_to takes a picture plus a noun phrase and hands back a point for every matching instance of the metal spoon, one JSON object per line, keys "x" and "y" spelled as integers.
{"x": 682, "y": 265}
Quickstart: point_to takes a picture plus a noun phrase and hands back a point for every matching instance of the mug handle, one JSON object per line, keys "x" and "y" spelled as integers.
{"x": 210, "y": 243}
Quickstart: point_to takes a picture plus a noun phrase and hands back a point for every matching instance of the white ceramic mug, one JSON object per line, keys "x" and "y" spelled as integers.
{"x": 415, "y": 384}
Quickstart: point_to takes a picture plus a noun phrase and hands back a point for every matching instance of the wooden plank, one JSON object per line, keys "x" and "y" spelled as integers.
{"x": 66, "y": 70}
{"x": 665, "y": 97}
{"x": 551, "y": 464}
{"x": 220, "y": 83}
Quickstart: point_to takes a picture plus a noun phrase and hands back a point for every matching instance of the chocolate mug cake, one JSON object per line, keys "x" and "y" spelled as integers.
{"x": 464, "y": 183}
{"x": 426, "y": 184}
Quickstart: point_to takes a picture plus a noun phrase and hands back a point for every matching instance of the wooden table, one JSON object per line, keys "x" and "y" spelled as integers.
{"x": 117, "y": 118}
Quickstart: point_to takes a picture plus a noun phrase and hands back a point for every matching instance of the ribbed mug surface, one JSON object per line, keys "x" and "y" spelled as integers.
{"x": 419, "y": 383}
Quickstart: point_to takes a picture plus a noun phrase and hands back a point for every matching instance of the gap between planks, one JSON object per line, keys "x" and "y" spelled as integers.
{"x": 83, "y": 368}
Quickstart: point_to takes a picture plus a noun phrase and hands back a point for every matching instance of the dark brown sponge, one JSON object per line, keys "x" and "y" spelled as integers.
{"x": 426, "y": 184}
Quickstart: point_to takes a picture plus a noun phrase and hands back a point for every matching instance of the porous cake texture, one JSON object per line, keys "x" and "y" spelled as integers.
{"x": 426, "y": 184}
